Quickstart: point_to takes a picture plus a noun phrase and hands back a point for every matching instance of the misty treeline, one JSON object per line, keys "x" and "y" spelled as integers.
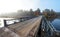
{"x": 31, "y": 12}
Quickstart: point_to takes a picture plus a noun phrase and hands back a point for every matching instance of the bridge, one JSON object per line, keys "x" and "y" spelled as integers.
{"x": 34, "y": 27}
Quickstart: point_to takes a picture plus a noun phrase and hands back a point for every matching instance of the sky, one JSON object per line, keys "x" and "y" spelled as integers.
{"x": 50, "y": 4}
{"x": 8, "y": 6}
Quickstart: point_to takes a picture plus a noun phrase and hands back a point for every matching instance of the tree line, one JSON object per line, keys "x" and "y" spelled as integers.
{"x": 37, "y": 12}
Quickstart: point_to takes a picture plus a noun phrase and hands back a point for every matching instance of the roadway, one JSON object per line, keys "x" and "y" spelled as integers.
{"x": 26, "y": 28}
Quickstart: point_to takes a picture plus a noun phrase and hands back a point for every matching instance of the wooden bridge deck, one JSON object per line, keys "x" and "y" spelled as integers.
{"x": 25, "y": 29}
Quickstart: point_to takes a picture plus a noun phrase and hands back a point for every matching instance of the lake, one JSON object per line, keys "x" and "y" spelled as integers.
{"x": 56, "y": 23}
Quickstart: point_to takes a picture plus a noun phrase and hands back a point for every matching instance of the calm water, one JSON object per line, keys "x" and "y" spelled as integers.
{"x": 56, "y": 23}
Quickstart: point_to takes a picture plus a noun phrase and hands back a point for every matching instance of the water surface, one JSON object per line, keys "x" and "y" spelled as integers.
{"x": 56, "y": 23}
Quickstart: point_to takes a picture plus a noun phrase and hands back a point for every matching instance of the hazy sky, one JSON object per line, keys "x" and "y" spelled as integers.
{"x": 14, "y": 5}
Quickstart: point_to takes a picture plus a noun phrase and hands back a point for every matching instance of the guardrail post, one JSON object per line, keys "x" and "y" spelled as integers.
{"x": 5, "y": 23}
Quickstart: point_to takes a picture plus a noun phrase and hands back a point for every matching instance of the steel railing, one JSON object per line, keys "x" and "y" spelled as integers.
{"x": 47, "y": 27}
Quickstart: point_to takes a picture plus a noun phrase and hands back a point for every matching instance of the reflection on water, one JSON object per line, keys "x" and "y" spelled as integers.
{"x": 55, "y": 22}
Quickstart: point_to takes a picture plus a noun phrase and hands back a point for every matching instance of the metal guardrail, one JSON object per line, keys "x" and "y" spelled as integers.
{"x": 48, "y": 28}
{"x": 13, "y": 21}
